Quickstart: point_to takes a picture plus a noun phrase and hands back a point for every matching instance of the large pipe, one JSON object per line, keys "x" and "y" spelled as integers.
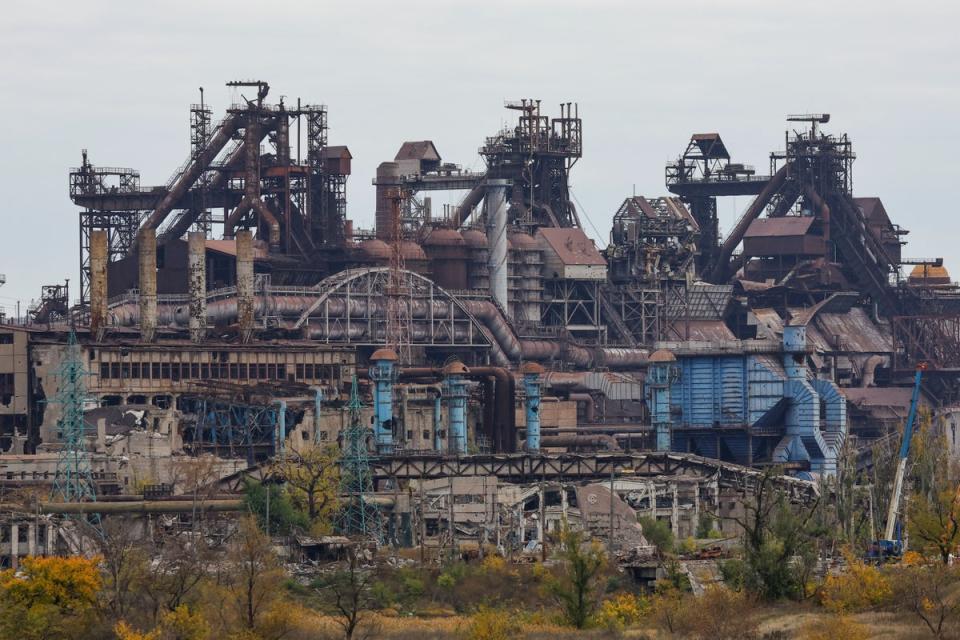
{"x": 147, "y": 247}
{"x": 468, "y": 204}
{"x": 495, "y": 203}
{"x": 245, "y": 316}
{"x": 196, "y": 168}
{"x": 820, "y": 204}
{"x": 720, "y": 268}
{"x": 251, "y": 187}
{"x": 142, "y": 506}
{"x": 197, "y": 284}
{"x": 99, "y": 249}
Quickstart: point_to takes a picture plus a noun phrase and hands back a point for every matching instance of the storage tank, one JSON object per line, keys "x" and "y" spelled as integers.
{"x": 446, "y": 250}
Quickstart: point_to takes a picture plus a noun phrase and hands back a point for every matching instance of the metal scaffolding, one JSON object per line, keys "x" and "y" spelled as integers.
{"x": 358, "y": 517}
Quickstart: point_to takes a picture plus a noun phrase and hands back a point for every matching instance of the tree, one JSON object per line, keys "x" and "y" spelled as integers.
{"x": 255, "y": 576}
{"x": 271, "y": 497}
{"x": 573, "y": 587}
{"x": 178, "y": 569}
{"x": 49, "y": 598}
{"x": 925, "y": 591}
{"x": 124, "y": 561}
{"x": 313, "y": 477}
{"x": 348, "y": 594}
{"x": 657, "y": 533}
{"x": 179, "y": 624}
{"x": 935, "y": 522}
{"x": 779, "y": 541}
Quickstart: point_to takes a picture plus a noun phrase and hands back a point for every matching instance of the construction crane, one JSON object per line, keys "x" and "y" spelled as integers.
{"x": 891, "y": 545}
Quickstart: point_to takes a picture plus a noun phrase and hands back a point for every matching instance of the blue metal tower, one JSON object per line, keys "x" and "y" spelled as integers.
{"x": 359, "y": 517}
{"x": 74, "y": 479}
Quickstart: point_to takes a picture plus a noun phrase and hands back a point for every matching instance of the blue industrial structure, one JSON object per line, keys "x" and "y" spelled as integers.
{"x": 455, "y": 389}
{"x": 749, "y": 407}
{"x": 383, "y": 373}
{"x": 230, "y": 428}
{"x": 531, "y": 386}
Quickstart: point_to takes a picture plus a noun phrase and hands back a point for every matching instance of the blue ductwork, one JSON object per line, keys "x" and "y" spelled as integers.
{"x": 661, "y": 373}
{"x": 383, "y": 375}
{"x": 455, "y": 389}
{"x": 531, "y": 386}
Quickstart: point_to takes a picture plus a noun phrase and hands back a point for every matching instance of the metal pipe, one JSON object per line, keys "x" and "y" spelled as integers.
{"x": 383, "y": 373}
{"x": 143, "y": 506}
{"x": 720, "y": 269}
{"x": 495, "y": 204}
{"x": 282, "y": 427}
{"x": 147, "y": 247}
{"x": 455, "y": 387}
{"x": 468, "y": 204}
{"x": 195, "y": 169}
{"x": 531, "y": 386}
{"x": 197, "y": 284}
{"x": 99, "y": 250}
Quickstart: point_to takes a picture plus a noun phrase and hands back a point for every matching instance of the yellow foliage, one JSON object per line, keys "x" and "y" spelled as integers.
{"x": 912, "y": 558}
{"x": 494, "y": 564}
{"x": 621, "y": 611}
{"x": 860, "y": 587}
{"x": 834, "y": 628}
{"x": 490, "y": 624}
{"x": 126, "y": 632}
{"x": 48, "y": 597}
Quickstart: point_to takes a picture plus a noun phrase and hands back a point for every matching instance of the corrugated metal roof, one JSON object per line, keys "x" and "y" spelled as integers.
{"x": 417, "y": 150}
{"x": 854, "y": 330}
{"x": 572, "y": 246}
{"x": 704, "y": 330}
{"x": 339, "y": 151}
{"x": 773, "y": 227}
{"x": 229, "y": 247}
{"x": 704, "y": 302}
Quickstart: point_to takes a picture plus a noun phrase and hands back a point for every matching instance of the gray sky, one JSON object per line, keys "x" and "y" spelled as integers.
{"x": 118, "y": 77}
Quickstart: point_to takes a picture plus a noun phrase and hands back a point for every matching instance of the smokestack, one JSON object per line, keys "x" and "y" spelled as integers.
{"x": 388, "y": 192}
{"x": 147, "y": 247}
{"x": 197, "y": 284}
{"x": 495, "y": 204}
{"x": 98, "y": 281}
{"x": 244, "y": 242}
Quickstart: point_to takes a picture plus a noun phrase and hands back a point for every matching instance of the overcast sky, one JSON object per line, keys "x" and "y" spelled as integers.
{"x": 117, "y": 78}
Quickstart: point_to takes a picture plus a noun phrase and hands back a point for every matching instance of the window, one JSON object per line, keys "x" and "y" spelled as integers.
{"x": 104, "y": 370}
{"x": 300, "y": 372}
{"x": 135, "y": 370}
{"x": 205, "y": 370}
{"x": 323, "y": 436}
{"x": 6, "y": 338}
{"x": 115, "y": 370}
{"x": 164, "y": 370}
{"x": 195, "y": 370}
{"x": 156, "y": 370}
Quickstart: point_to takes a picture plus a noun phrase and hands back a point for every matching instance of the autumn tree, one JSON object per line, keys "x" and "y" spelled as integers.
{"x": 935, "y": 522}
{"x": 313, "y": 477}
{"x": 254, "y": 580}
{"x": 124, "y": 561}
{"x": 180, "y": 565}
{"x": 347, "y": 594}
{"x": 49, "y": 598}
{"x": 926, "y": 591}
{"x": 574, "y": 585}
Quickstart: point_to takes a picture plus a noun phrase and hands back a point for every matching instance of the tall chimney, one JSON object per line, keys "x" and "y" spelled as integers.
{"x": 98, "y": 281}
{"x": 244, "y": 240}
{"x": 147, "y": 245}
{"x": 495, "y": 204}
{"x": 197, "y": 284}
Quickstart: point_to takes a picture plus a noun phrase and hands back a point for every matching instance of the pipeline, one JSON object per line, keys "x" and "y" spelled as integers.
{"x": 251, "y": 188}
{"x": 196, "y": 168}
{"x": 142, "y": 506}
{"x": 468, "y": 204}
{"x": 599, "y": 442}
{"x": 721, "y": 267}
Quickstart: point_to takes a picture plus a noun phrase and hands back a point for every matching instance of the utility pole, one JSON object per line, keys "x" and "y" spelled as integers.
{"x": 612, "y": 473}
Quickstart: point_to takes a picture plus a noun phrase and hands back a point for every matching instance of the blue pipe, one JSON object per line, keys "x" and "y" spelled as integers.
{"x": 456, "y": 388}
{"x": 382, "y": 373}
{"x": 658, "y": 383}
{"x": 282, "y": 427}
{"x": 317, "y": 404}
{"x": 531, "y": 385}
{"x": 437, "y": 445}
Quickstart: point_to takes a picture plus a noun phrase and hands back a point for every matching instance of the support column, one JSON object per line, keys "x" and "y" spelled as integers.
{"x": 197, "y": 284}
{"x": 245, "y": 316}
{"x": 99, "y": 248}
{"x": 147, "y": 247}
{"x": 437, "y": 411}
{"x": 14, "y": 546}
{"x": 31, "y": 540}
{"x": 281, "y": 427}
{"x": 495, "y": 204}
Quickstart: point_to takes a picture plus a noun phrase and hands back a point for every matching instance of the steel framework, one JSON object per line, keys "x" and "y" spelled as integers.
{"x": 359, "y": 516}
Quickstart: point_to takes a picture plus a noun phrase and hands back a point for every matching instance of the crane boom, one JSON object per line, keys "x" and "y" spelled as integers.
{"x": 890, "y": 531}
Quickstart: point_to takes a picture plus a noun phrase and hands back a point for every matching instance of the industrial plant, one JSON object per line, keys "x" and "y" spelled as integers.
{"x": 486, "y": 371}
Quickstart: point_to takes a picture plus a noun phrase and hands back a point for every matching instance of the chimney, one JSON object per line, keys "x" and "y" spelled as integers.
{"x": 197, "y": 284}
{"x": 244, "y": 240}
{"x": 388, "y": 193}
{"x": 147, "y": 245}
{"x": 98, "y": 281}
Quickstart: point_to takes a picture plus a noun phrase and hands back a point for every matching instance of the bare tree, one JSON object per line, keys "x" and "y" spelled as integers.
{"x": 348, "y": 596}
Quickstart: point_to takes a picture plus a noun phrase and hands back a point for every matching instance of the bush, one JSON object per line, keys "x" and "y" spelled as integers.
{"x": 621, "y": 611}
{"x": 859, "y": 588}
{"x": 835, "y": 628}
{"x": 490, "y": 624}
{"x": 657, "y": 533}
{"x": 687, "y": 546}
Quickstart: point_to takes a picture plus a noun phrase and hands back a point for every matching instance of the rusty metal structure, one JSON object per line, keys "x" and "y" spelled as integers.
{"x": 209, "y": 294}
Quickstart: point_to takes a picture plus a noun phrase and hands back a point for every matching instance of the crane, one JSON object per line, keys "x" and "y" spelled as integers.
{"x": 891, "y": 545}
